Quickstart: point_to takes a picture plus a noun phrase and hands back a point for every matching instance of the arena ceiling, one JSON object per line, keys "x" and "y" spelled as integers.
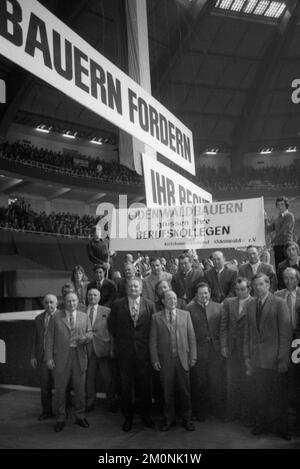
{"x": 226, "y": 74}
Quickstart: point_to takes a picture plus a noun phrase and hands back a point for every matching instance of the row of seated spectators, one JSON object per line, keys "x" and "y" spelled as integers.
{"x": 113, "y": 172}
{"x": 20, "y": 216}
{"x": 249, "y": 178}
{"x": 96, "y": 168}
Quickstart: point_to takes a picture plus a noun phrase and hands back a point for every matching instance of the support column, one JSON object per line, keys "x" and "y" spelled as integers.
{"x": 130, "y": 149}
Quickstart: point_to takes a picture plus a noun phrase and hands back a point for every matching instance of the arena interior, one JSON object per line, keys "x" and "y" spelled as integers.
{"x": 226, "y": 69}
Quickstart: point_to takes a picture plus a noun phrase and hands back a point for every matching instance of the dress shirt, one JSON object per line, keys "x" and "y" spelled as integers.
{"x": 173, "y": 312}
{"x": 89, "y": 309}
{"x": 134, "y": 306}
{"x": 254, "y": 267}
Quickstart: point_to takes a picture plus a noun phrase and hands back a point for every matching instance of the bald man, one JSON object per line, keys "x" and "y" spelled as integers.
{"x": 38, "y": 355}
{"x": 220, "y": 278}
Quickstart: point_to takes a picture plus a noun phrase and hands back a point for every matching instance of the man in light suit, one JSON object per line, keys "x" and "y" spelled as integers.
{"x": 208, "y": 375}
{"x": 156, "y": 275}
{"x": 255, "y": 266}
{"x": 267, "y": 343}
{"x": 221, "y": 279}
{"x": 68, "y": 333}
{"x": 173, "y": 353}
{"x": 38, "y": 359}
{"x": 129, "y": 324}
{"x": 106, "y": 287}
{"x": 100, "y": 352}
{"x": 232, "y": 332}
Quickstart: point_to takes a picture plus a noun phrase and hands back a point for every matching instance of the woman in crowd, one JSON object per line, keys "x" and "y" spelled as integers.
{"x": 80, "y": 282}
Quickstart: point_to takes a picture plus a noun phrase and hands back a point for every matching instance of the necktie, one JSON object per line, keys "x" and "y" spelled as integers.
{"x": 290, "y": 306}
{"x": 134, "y": 314}
{"x": 72, "y": 327}
{"x": 91, "y": 315}
{"x": 258, "y": 313}
{"x": 171, "y": 319}
{"x": 47, "y": 319}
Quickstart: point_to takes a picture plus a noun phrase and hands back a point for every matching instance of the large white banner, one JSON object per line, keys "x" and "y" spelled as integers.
{"x": 229, "y": 224}
{"x": 35, "y": 39}
{"x": 164, "y": 186}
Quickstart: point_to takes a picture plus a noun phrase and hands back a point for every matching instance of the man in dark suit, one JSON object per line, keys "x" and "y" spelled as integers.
{"x": 283, "y": 229}
{"x": 255, "y": 266}
{"x": 129, "y": 273}
{"x": 185, "y": 281}
{"x": 97, "y": 249}
{"x": 100, "y": 351}
{"x": 267, "y": 343}
{"x": 293, "y": 260}
{"x": 38, "y": 359}
{"x": 207, "y": 376}
{"x": 173, "y": 354}
{"x": 106, "y": 287}
{"x": 129, "y": 324}
{"x": 68, "y": 333}
{"x": 232, "y": 334}
{"x": 221, "y": 279}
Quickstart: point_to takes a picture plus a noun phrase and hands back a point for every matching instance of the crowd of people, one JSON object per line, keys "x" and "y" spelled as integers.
{"x": 209, "y": 178}
{"x": 210, "y": 338}
{"x": 20, "y": 216}
{"x": 95, "y": 168}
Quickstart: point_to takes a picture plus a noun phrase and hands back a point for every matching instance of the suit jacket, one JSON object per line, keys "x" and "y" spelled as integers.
{"x": 108, "y": 292}
{"x": 224, "y": 288}
{"x": 206, "y": 323}
{"x": 160, "y": 340}
{"x": 283, "y": 227}
{"x": 186, "y": 288}
{"x": 150, "y": 282}
{"x": 282, "y": 294}
{"x": 281, "y": 268}
{"x": 58, "y": 339}
{"x": 101, "y": 343}
{"x": 181, "y": 304}
{"x": 245, "y": 270}
{"x": 232, "y": 329}
{"x": 268, "y": 345}
{"x": 130, "y": 341}
{"x": 38, "y": 342}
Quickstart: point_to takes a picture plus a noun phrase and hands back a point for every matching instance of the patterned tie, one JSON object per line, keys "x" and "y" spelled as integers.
{"x": 91, "y": 315}
{"x": 73, "y": 331}
{"x": 258, "y": 312}
{"x": 290, "y": 306}
{"x": 46, "y": 324}
{"x": 134, "y": 314}
{"x": 171, "y": 318}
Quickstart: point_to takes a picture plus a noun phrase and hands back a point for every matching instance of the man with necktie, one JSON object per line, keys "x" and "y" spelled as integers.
{"x": 221, "y": 279}
{"x": 68, "y": 333}
{"x": 106, "y": 287}
{"x": 207, "y": 376}
{"x": 38, "y": 359}
{"x": 268, "y": 334}
{"x": 173, "y": 354}
{"x": 184, "y": 283}
{"x": 100, "y": 352}
{"x": 129, "y": 324}
{"x": 233, "y": 318}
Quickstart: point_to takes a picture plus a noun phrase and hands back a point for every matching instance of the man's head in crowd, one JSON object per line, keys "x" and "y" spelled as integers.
{"x": 147, "y": 259}
{"x": 50, "y": 303}
{"x": 155, "y": 264}
{"x": 261, "y": 285}
{"x": 163, "y": 261}
{"x": 252, "y": 254}
{"x": 291, "y": 278}
{"x": 292, "y": 251}
{"x": 218, "y": 260}
{"x": 134, "y": 287}
{"x": 129, "y": 271}
{"x": 93, "y": 296}
{"x": 71, "y": 302}
{"x": 129, "y": 258}
{"x": 282, "y": 204}
{"x": 242, "y": 288}
{"x": 185, "y": 263}
{"x": 116, "y": 275}
{"x": 67, "y": 288}
{"x": 161, "y": 287}
{"x": 99, "y": 272}
{"x": 203, "y": 293}
{"x": 170, "y": 300}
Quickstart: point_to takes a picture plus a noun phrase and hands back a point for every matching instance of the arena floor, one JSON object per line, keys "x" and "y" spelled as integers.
{"x": 19, "y": 428}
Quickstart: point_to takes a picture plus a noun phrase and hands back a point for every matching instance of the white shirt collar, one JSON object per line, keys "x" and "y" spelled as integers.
{"x": 263, "y": 299}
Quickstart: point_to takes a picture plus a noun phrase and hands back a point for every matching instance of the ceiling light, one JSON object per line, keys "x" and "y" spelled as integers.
{"x": 43, "y": 128}
{"x": 291, "y": 149}
{"x": 97, "y": 141}
{"x": 212, "y": 151}
{"x": 69, "y": 134}
{"x": 266, "y": 151}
